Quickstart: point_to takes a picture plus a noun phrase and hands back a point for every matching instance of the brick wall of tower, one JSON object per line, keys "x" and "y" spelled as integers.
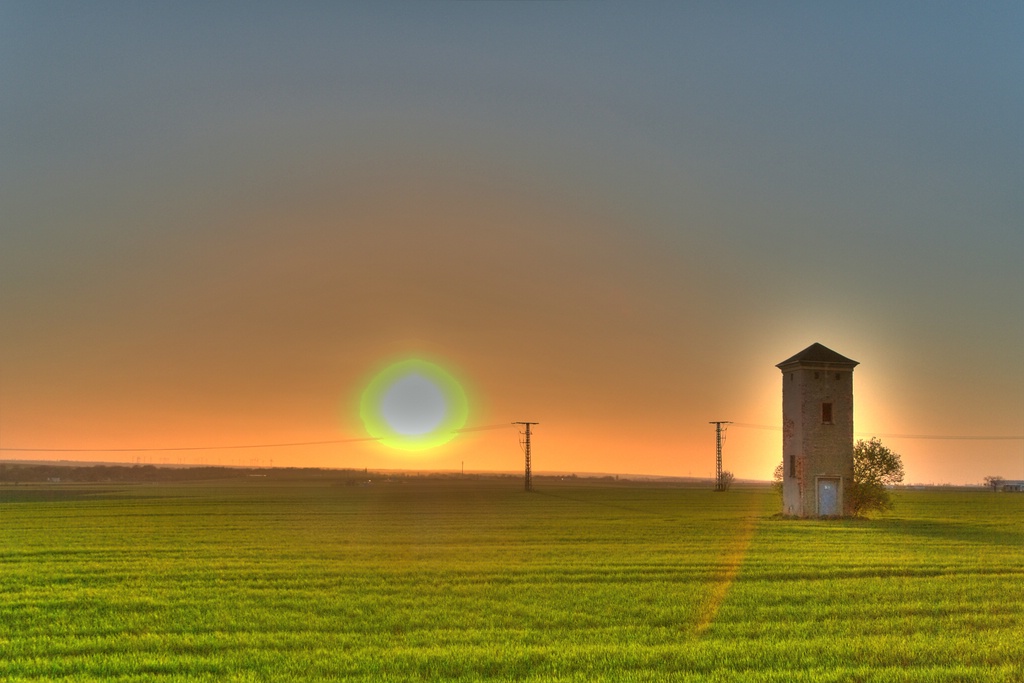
{"x": 813, "y": 449}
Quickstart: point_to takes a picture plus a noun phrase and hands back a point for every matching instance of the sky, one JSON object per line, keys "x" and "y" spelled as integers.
{"x": 219, "y": 222}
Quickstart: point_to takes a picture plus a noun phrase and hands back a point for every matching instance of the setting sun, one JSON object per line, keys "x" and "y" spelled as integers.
{"x": 413, "y": 405}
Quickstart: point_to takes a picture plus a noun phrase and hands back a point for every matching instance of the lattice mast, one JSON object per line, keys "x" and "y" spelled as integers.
{"x": 525, "y": 443}
{"x": 719, "y": 484}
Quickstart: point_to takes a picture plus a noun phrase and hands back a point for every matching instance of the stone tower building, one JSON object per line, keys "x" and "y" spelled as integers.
{"x": 817, "y": 432}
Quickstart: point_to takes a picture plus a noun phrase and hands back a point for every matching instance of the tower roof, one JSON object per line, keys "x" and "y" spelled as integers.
{"x": 817, "y": 355}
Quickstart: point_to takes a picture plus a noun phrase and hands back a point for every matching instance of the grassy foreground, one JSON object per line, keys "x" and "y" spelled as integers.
{"x": 473, "y": 579}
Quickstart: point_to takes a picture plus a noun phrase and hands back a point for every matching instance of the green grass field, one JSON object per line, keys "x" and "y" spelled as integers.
{"x": 448, "y": 580}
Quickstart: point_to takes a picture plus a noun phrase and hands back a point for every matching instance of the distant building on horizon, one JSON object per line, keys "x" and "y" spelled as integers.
{"x": 817, "y": 432}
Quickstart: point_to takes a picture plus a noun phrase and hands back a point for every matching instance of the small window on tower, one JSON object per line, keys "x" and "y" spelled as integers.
{"x": 826, "y": 413}
{"x": 815, "y": 375}
{"x": 792, "y": 465}
{"x": 837, "y": 375}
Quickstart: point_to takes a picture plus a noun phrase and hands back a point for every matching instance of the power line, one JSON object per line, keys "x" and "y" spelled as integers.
{"x": 743, "y": 425}
{"x": 501, "y": 425}
{"x": 951, "y": 438}
{"x": 904, "y": 436}
{"x": 183, "y": 448}
{"x": 149, "y": 449}
{"x": 746, "y": 425}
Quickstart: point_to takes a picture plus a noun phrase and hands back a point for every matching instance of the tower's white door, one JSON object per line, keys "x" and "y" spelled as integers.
{"x": 828, "y": 497}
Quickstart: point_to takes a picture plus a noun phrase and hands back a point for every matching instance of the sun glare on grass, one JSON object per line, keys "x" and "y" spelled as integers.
{"x": 413, "y": 405}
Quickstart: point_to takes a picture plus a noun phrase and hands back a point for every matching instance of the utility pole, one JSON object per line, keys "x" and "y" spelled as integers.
{"x": 525, "y": 443}
{"x": 719, "y": 484}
